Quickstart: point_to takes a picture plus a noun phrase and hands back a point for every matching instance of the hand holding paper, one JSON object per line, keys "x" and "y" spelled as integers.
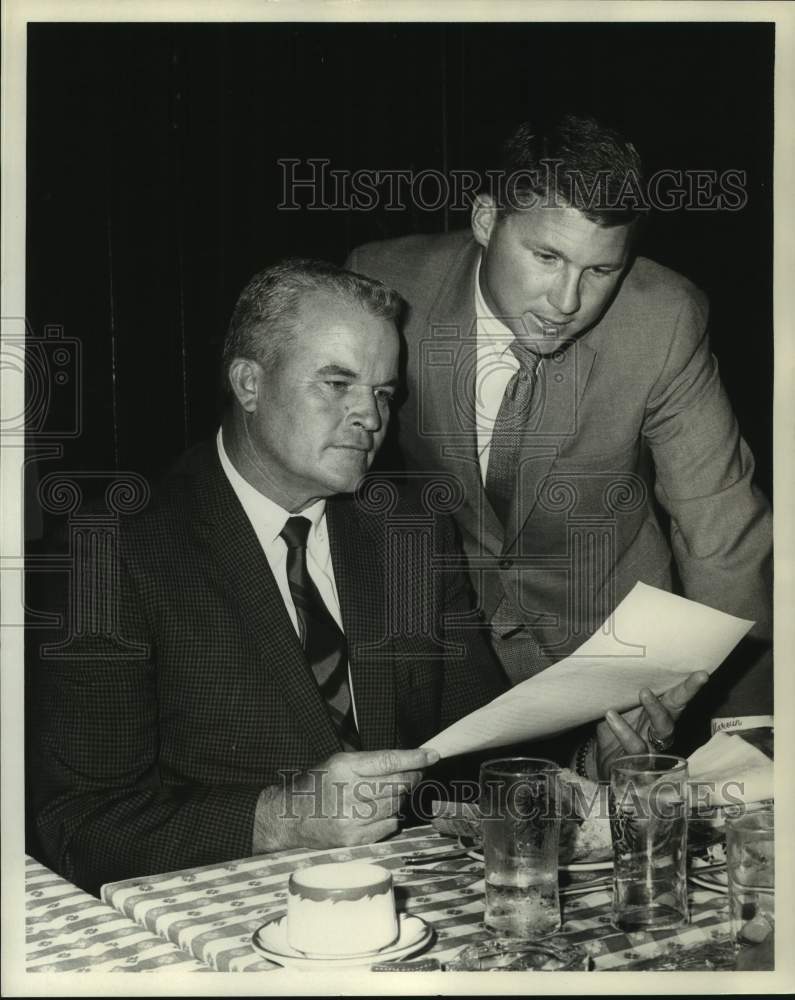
{"x": 653, "y": 639}
{"x": 624, "y": 734}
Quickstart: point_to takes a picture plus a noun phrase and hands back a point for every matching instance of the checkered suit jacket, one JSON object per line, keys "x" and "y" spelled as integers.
{"x": 153, "y": 746}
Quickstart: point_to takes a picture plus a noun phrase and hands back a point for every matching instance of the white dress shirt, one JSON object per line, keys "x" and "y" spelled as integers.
{"x": 268, "y": 519}
{"x": 495, "y": 364}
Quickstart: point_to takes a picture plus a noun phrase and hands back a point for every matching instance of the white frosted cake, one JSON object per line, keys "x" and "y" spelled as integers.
{"x": 341, "y": 909}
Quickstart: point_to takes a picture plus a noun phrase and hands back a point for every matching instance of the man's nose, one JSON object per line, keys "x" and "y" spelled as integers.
{"x": 564, "y": 294}
{"x": 365, "y": 412}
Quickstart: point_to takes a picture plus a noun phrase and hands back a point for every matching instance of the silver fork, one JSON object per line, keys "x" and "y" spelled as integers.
{"x": 428, "y": 859}
{"x": 441, "y": 872}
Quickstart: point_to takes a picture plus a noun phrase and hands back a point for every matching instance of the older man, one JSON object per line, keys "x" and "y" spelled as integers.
{"x": 568, "y": 384}
{"x": 270, "y": 679}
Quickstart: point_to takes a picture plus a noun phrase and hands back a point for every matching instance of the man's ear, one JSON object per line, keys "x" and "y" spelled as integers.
{"x": 244, "y": 378}
{"x": 484, "y": 218}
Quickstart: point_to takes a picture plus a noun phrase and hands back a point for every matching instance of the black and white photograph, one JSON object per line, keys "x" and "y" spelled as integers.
{"x": 395, "y": 404}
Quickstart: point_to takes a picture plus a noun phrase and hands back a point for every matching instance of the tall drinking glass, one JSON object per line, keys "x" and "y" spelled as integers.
{"x": 750, "y": 863}
{"x": 648, "y": 821}
{"x": 520, "y": 803}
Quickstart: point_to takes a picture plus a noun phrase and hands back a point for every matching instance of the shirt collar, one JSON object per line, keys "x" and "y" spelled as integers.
{"x": 267, "y": 517}
{"x": 492, "y": 333}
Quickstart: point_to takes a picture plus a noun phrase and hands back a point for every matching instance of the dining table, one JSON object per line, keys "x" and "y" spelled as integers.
{"x": 69, "y": 930}
{"x": 205, "y": 918}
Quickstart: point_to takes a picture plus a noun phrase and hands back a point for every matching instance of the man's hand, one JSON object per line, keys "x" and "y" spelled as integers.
{"x": 629, "y": 733}
{"x": 351, "y": 798}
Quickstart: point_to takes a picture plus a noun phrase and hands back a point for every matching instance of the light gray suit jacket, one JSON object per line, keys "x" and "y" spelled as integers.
{"x": 633, "y": 432}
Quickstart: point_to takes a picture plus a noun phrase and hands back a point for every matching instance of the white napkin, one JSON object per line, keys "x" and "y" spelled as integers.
{"x": 727, "y": 770}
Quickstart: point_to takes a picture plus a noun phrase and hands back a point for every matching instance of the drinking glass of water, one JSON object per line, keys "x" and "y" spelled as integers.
{"x": 520, "y": 806}
{"x": 648, "y": 822}
{"x": 750, "y": 862}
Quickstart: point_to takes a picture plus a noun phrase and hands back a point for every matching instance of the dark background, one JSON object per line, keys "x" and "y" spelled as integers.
{"x": 153, "y": 183}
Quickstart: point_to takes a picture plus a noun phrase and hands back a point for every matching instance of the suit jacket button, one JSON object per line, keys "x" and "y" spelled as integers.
{"x": 506, "y": 563}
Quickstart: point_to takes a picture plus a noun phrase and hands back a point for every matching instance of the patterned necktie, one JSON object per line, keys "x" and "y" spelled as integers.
{"x": 322, "y": 639}
{"x": 509, "y": 427}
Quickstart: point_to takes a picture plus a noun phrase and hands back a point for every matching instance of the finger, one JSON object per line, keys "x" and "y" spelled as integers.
{"x": 371, "y": 763}
{"x": 394, "y": 784}
{"x": 383, "y": 786}
{"x": 676, "y": 699}
{"x": 374, "y": 810}
{"x": 361, "y": 802}
{"x": 625, "y": 734}
{"x": 660, "y": 719}
{"x": 369, "y": 833}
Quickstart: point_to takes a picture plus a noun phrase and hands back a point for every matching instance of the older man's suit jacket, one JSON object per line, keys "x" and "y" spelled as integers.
{"x": 632, "y": 422}
{"x": 154, "y": 743}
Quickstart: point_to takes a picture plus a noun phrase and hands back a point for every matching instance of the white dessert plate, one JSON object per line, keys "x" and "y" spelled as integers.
{"x": 270, "y": 940}
{"x": 475, "y": 851}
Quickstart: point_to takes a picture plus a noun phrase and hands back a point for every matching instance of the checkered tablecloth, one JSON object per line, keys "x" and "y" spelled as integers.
{"x": 212, "y": 912}
{"x": 67, "y": 930}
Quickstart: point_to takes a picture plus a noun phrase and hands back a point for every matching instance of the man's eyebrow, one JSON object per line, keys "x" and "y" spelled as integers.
{"x": 545, "y": 248}
{"x": 337, "y": 370}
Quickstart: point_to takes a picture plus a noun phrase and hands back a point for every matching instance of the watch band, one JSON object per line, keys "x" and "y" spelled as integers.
{"x": 586, "y": 755}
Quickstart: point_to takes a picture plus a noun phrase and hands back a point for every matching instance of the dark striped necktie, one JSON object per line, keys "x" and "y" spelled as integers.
{"x": 322, "y": 639}
{"x": 509, "y": 428}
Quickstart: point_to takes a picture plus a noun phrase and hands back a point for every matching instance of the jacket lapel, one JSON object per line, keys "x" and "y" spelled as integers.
{"x": 245, "y": 575}
{"x": 358, "y": 554}
{"x": 562, "y": 384}
{"x": 447, "y": 386}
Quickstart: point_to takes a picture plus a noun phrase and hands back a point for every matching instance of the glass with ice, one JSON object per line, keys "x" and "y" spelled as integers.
{"x": 520, "y": 803}
{"x": 750, "y": 862}
{"x": 648, "y": 822}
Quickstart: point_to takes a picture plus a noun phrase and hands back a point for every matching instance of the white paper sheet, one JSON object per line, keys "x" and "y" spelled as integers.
{"x": 729, "y": 770}
{"x": 653, "y": 639}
